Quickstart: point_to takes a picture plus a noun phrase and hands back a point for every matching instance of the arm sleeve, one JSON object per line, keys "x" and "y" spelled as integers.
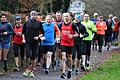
{"x": 24, "y": 28}
{"x": 93, "y": 27}
{"x": 105, "y": 26}
{"x": 84, "y": 31}
{"x": 60, "y": 26}
{"x": 56, "y": 30}
{"x": 41, "y": 29}
{"x": 74, "y": 28}
{"x": 10, "y": 31}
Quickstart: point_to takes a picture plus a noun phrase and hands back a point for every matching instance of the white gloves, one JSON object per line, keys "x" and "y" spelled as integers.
{"x": 42, "y": 38}
{"x": 58, "y": 40}
{"x": 36, "y": 38}
{"x": 81, "y": 35}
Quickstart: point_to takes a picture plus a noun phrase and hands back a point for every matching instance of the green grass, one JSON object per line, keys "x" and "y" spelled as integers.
{"x": 110, "y": 70}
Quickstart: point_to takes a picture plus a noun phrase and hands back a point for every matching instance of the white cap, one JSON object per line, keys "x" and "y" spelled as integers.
{"x": 95, "y": 14}
{"x": 114, "y": 17}
{"x": 110, "y": 15}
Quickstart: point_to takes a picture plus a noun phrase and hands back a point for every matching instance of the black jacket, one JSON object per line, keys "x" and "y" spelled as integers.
{"x": 31, "y": 29}
{"x": 81, "y": 29}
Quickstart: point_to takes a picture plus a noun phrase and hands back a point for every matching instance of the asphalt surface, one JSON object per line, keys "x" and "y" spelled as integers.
{"x": 96, "y": 59}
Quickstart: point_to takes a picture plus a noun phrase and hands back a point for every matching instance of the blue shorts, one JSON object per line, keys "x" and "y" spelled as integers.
{"x": 5, "y": 45}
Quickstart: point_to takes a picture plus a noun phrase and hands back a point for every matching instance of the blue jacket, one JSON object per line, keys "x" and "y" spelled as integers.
{"x": 5, "y": 27}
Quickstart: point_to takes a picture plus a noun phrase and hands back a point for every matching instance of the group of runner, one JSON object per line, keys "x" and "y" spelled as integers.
{"x": 64, "y": 41}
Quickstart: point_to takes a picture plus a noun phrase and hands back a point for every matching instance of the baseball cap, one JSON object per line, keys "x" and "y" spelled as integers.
{"x": 100, "y": 16}
{"x": 95, "y": 14}
{"x": 18, "y": 17}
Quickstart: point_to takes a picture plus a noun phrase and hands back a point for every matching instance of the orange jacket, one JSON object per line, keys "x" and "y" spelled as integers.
{"x": 101, "y": 27}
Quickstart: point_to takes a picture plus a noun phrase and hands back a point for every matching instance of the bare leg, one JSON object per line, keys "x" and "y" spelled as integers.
{"x": 0, "y": 53}
{"x": 16, "y": 61}
{"x": 63, "y": 61}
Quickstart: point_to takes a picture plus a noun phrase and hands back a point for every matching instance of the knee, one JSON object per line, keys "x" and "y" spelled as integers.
{"x": 78, "y": 57}
{"x": 16, "y": 55}
{"x": 69, "y": 56}
{"x": 49, "y": 54}
{"x": 63, "y": 56}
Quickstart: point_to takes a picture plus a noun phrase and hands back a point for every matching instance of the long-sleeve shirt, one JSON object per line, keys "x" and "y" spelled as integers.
{"x": 90, "y": 27}
{"x": 101, "y": 27}
{"x": 5, "y": 27}
{"x": 81, "y": 30}
{"x": 109, "y": 27}
{"x": 31, "y": 29}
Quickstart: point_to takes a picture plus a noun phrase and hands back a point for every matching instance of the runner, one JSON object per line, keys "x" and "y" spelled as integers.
{"x": 101, "y": 27}
{"x": 94, "y": 42}
{"x": 6, "y": 31}
{"x": 48, "y": 41}
{"x": 90, "y": 27}
{"x": 31, "y": 30}
{"x": 78, "y": 43}
{"x": 108, "y": 34}
{"x": 67, "y": 42}
{"x": 115, "y": 30}
{"x": 18, "y": 44}
{"x": 58, "y": 20}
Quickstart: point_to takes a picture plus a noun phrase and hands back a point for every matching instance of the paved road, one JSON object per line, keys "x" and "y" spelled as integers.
{"x": 96, "y": 58}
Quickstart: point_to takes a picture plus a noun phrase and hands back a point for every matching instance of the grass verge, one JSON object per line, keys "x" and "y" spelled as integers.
{"x": 110, "y": 70}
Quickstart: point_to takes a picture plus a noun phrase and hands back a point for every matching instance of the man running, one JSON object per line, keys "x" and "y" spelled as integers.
{"x": 31, "y": 31}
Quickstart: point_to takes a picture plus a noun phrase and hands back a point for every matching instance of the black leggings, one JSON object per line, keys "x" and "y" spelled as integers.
{"x": 115, "y": 35}
{"x": 31, "y": 50}
{"x": 78, "y": 49}
{"x": 87, "y": 48}
{"x": 17, "y": 48}
{"x": 100, "y": 41}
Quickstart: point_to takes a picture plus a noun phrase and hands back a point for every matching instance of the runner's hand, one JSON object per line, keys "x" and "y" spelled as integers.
{"x": 58, "y": 40}
{"x": 23, "y": 41}
{"x": 81, "y": 35}
{"x": 42, "y": 38}
{"x": 70, "y": 36}
{"x": 5, "y": 33}
{"x": 36, "y": 38}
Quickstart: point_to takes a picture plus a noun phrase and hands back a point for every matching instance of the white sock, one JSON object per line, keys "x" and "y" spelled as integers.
{"x": 83, "y": 59}
{"x": 48, "y": 62}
